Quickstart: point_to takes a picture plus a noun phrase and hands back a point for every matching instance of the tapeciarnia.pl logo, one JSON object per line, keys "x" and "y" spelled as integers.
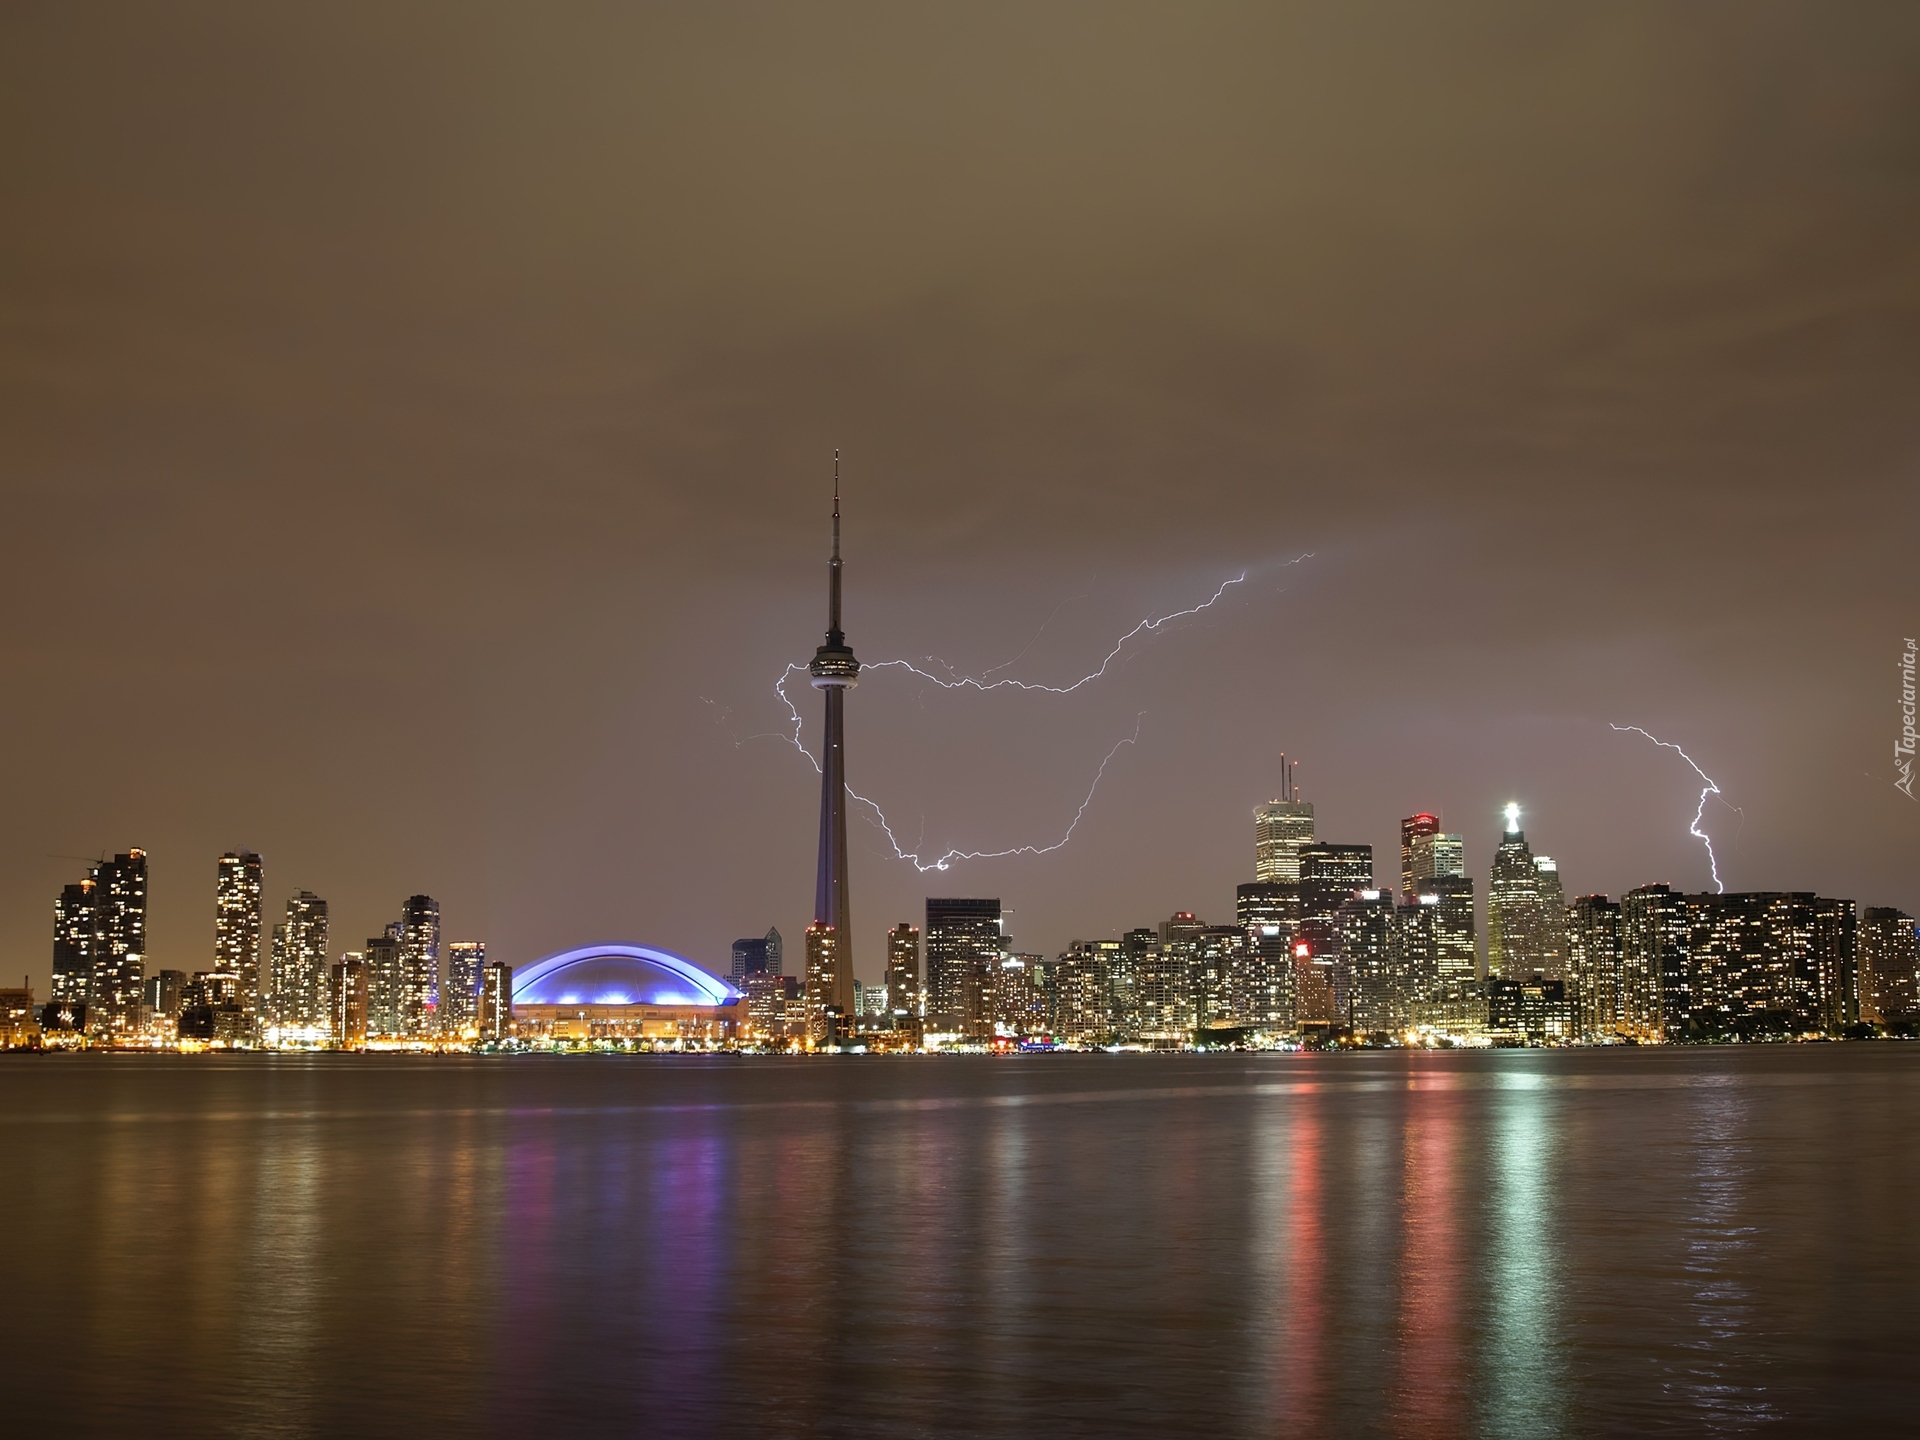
{"x": 1903, "y": 747}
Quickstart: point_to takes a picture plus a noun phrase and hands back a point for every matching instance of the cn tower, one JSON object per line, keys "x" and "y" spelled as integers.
{"x": 830, "y": 938}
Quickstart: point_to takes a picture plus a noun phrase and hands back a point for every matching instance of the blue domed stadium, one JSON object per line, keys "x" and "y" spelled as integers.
{"x": 624, "y": 993}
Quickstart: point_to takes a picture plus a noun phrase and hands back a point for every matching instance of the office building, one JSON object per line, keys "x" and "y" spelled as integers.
{"x": 1524, "y": 911}
{"x": 496, "y": 1001}
{"x": 1330, "y": 875}
{"x": 459, "y": 1012}
{"x": 236, "y": 924}
{"x": 1280, "y": 828}
{"x": 963, "y": 947}
{"x": 749, "y": 958}
{"x": 115, "y": 995}
{"x": 903, "y": 970}
{"x": 1220, "y": 977}
{"x": 1889, "y": 990}
{"x": 419, "y": 965}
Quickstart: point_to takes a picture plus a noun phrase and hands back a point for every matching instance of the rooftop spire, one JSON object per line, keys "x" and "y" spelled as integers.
{"x": 834, "y": 632}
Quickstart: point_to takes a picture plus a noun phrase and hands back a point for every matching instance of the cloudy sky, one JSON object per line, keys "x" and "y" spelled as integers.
{"x": 416, "y": 434}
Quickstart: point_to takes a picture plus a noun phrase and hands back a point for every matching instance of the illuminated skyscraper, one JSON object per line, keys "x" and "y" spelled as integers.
{"x": 1427, "y": 854}
{"x": 419, "y": 964}
{"x": 1656, "y": 983}
{"x": 299, "y": 980}
{"x": 384, "y": 983}
{"x": 903, "y": 970}
{"x": 963, "y": 949}
{"x": 117, "y": 992}
{"x": 1374, "y": 965}
{"x": 1887, "y": 966}
{"x": 834, "y": 671}
{"x": 460, "y": 1001}
{"x": 347, "y": 1002}
{"x": 1594, "y": 973}
{"x": 236, "y": 925}
{"x": 1524, "y": 912}
{"x": 74, "y": 923}
{"x": 496, "y": 1001}
{"x": 1280, "y": 828}
{"x": 828, "y": 1021}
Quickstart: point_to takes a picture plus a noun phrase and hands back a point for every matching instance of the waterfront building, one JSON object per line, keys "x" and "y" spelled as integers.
{"x": 776, "y": 1007}
{"x": 1768, "y": 963}
{"x": 903, "y": 970}
{"x": 1595, "y": 976}
{"x": 384, "y": 983}
{"x": 1318, "y": 985}
{"x": 1529, "y": 1012}
{"x": 963, "y": 947}
{"x": 834, "y": 672}
{"x": 496, "y": 1001}
{"x": 828, "y": 1021}
{"x": 1456, "y": 953}
{"x": 630, "y": 995}
{"x": 1889, "y": 990}
{"x": 74, "y": 924}
{"x": 237, "y": 924}
{"x": 19, "y": 1021}
{"x": 298, "y": 983}
{"x": 1218, "y": 965}
{"x": 1655, "y": 976}
{"x": 115, "y": 992}
{"x": 347, "y": 1003}
{"x": 1083, "y": 999}
{"x": 1019, "y": 998}
{"x": 460, "y": 1002}
{"x": 419, "y": 965}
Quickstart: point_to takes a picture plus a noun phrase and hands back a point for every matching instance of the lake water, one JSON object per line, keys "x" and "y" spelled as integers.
{"x": 1509, "y": 1243}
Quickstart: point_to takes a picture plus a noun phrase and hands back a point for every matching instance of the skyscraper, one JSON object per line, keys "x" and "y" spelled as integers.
{"x": 419, "y": 964}
{"x": 116, "y": 994}
{"x": 1520, "y": 933}
{"x": 384, "y": 982}
{"x": 1280, "y": 828}
{"x": 903, "y": 969}
{"x": 347, "y": 1002}
{"x": 1427, "y": 854}
{"x": 834, "y": 672}
{"x": 236, "y": 925}
{"x": 749, "y": 958}
{"x": 1594, "y": 968}
{"x": 496, "y": 1001}
{"x": 1655, "y": 977}
{"x": 963, "y": 947}
{"x": 74, "y": 924}
{"x": 1887, "y": 968}
{"x": 460, "y": 1001}
{"x": 299, "y": 981}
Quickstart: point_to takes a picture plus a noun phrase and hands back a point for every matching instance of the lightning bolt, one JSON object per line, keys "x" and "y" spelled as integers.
{"x": 1701, "y": 809}
{"x": 982, "y": 685}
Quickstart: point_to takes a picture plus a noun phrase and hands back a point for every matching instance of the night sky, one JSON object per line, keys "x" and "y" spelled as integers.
{"x": 416, "y": 435}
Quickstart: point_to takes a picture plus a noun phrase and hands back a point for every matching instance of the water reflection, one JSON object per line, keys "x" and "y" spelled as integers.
{"x": 1431, "y": 1389}
{"x": 1520, "y": 1357}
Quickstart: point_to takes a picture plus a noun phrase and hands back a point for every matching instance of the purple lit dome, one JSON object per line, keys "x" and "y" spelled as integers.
{"x": 618, "y": 975}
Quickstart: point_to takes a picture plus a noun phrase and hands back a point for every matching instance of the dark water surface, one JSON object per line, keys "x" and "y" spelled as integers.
{"x": 1573, "y": 1243}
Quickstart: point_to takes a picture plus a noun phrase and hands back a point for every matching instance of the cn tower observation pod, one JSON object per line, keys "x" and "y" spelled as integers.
{"x": 623, "y": 993}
